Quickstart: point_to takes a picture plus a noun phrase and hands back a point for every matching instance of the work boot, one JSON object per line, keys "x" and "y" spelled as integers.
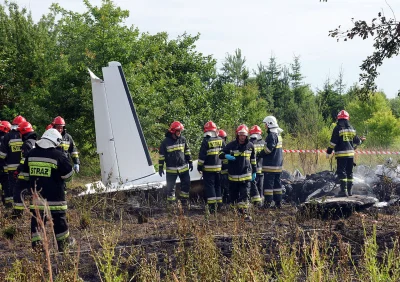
{"x": 343, "y": 189}
{"x": 278, "y": 205}
{"x": 69, "y": 242}
{"x": 267, "y": 205}
{"x": 247, "y": 218}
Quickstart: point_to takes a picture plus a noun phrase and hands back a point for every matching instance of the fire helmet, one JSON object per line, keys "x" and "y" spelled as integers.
{"x": 5, "y": 126}
{"x": 25, "y": 127}
{"x": 343, "y": 115}
{"x": 18, "y": 119}
{"x": 176, "y": 125}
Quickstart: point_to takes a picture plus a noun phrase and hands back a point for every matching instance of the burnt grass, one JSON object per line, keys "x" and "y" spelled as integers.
{"x": 159, "y": 232}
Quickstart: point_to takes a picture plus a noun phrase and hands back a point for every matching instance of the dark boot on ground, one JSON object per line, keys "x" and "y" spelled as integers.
{"x": 350, "y": 188}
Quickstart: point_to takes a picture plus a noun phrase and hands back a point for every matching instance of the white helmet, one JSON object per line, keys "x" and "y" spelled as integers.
{"x": 271, "y": 122}
{"x": 51, "y": 138}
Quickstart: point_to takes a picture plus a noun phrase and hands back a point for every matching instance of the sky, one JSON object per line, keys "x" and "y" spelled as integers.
{"x": 261, "y": 28}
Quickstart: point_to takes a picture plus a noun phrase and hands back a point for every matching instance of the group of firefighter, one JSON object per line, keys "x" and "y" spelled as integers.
{"x": 37, "y": 169}
{"x": 247, "y": 169}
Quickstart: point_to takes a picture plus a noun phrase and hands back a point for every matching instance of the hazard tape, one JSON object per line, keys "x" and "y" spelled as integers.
{"x": 357, "y": 152}
{"x": 324, "y": 151}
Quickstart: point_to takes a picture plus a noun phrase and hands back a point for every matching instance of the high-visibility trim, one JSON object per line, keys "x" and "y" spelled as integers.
{"x": 177, "y": 147}
{"x": 213, "y": 151}
{"x": 259, "y": 170}
{"x": 242, "y": 205}
{"x": 19, "y": 206}
{"x": 65, "y": 145}
{"x": 41, "y": 164}
{"x": 40, "y": 159}
{"x": 22, "y": 161}
{"x": 349, "y": 179}
{"x": 9, "y": 200}
{"x": 212, "y": 200}
{"x": 161, "y": 157}
{"x": 212, "y": 168}
{"x": 200, "y": 162}
{"x": 12, "y": 167}
{"x": 343, "y": 179}
{"x": 272, "y": 168}
{"x": 67, "y": 175}
{"x": 52, "y": 208}
{"x": 179, "y": 169}
{"x": 183, "y": 194}
{"x": 62, "y": 236}
{"x": 225, "y": 171}
{"x": 256, "y": 199}
{"x": 15, "y": 145}
{"x": 171, "y": 198}
{"x": 344, "y": 155}
{"x": 278, "y": 191}
{"x": 268, "y": 192}
{"x": 219, "y": 199}
{"x": 242, "y": 177}
{"x": 3, "y": 155}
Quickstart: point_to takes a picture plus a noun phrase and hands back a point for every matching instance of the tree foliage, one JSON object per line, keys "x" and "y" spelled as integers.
{"x": 44, "y": 73}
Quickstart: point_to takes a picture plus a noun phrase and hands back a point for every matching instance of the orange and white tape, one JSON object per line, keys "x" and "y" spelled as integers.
{"x": 357, "y": 152}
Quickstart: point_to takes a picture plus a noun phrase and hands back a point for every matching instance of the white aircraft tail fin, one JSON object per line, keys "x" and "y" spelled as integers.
{"x": 121, "y": 145}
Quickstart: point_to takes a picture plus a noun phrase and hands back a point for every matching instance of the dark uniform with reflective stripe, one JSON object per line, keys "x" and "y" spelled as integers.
{"x": 240, "y": 172}
{"x": 176, "y": 155}
{"x": 210, "y": 165}
{"x": 224, "y": 182}
{"x": 343, "y": 141}
{"x": 48, "y": 169}
{"x": 3, "y": 173}
{"x": 68, "y": 146}
{"x": 256, "y": 190}
{"x": 29, "y": 140}
{"x": 10, "y": 152}
{"x": 272, "y": 168}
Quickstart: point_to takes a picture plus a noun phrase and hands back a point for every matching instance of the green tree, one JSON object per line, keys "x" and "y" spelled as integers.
{"x": 234, "y": 68}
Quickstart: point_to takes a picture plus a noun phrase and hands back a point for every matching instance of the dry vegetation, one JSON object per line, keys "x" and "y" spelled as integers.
{"x": 116, "y": 241}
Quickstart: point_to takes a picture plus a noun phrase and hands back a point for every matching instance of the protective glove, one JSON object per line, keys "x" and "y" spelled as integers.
{"x": 253, "y": 177}
{"x": 191, "y": 166}
{"x": 229, "y": 157}
{"x": 327, "y": 155}
{"x": 15, "y": 175}
{"x": 161, "y": 172}
{"x": 76, "y": 168}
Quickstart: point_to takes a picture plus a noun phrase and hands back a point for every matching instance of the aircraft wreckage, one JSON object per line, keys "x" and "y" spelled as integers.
{"x": 126, "y": 164}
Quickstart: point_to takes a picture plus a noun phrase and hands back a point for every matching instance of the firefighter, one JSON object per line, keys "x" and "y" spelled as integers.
{"x": 48, "y": 169}
{"x": 29, "y": 137}
{"x": 67, "y": 144}
{"x": 256, "y": 190}
{"x": 224, "y": 172}
{"x": 241, "y": 169}
{"x": 209, "y": 164}
{"x": 272, "y": 163}
{"x": 343, "y": 141}
{"x": 5, "y": 127}
{"x": 10, "y": 153}
{"x": 175, "y": 152}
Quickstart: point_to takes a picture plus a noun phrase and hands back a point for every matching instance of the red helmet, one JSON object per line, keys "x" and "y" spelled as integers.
{"x": 18, "y": 119}
{"x": 58, "y": 121}
{"x": 343, "y": 115}
{"x": 5, "y": 126}
{"x": 242, "y": 129}
{"x": 25, "y": 127}
{"x": 210, "y": 126}
{"x": 222, "y": 133}
{"x": 176, "y": 125}
{"x": 49, "y": 126}
{"x": 255, "y": 129}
